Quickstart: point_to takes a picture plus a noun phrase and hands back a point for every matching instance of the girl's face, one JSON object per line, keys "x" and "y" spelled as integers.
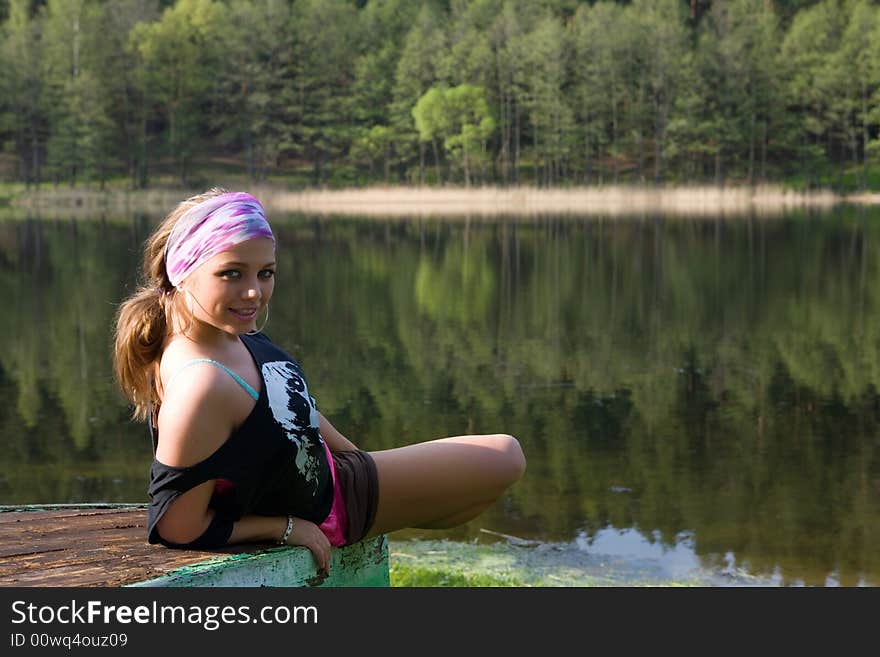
{"x": 232, "y": 288}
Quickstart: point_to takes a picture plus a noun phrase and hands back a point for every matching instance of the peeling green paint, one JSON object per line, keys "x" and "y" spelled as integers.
{"x": 363, "y": 564}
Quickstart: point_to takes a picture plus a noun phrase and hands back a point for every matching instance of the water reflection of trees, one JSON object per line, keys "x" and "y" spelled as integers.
{"x": 64, "y": 429}
{"x": 716, "y": 377}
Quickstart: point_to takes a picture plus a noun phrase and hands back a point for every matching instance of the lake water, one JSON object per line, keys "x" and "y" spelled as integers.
{"x": 693, "y": 391}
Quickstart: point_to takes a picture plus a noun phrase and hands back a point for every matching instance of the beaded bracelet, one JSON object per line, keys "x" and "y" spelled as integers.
{"x": 283, "y": 540}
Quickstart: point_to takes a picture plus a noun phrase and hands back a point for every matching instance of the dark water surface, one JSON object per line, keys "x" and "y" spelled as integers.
{"x": 699, "y": 392}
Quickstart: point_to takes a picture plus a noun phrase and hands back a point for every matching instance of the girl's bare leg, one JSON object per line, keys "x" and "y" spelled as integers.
{"x": 443, "y": 483}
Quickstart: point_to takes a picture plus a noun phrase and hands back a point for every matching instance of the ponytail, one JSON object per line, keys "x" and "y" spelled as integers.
{"x": 141, "y": 327}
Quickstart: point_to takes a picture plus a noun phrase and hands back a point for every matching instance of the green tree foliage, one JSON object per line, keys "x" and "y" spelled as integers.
{"x": 83, "y": 130}
{"x": 806, "y": 53}
{"x": 508, "y": 62}
{"x": 23, "y": 105}
{"x": 384, "y": 25}
{"x": 739, "y": 45}
{"x": 116, "y": 67}
{"x": 542, "y": 80}
{"x": 661, "y": 39}
{"x": 255, "y": 103}
{"x": 416, "y": 72}
{"x": 432, "y": 121}
{"x": 179, "y": 54}
{"x": 581, "y": 92}
{"x": 858, "y": 56}
{"x": 323, "y": 62}
{"x": 373, "y": 145}
{"x": 598, "y": 88}
{"x": 472, "y": 125}
{"x": 461, "y": 118}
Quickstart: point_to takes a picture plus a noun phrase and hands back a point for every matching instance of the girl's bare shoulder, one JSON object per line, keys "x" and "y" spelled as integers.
{"x": 176, "y": 354}
{"x": 199, "y": 407}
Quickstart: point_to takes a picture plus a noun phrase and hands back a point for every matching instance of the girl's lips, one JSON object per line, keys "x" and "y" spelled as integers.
{"x": 249, "y": 313}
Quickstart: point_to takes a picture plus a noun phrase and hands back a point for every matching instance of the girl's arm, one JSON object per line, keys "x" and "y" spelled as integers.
{"x": 335, "y": 440}
{"x": 248, "y": 529}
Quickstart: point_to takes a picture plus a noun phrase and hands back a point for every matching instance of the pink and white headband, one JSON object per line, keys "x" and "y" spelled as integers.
{"x": 211, "y": 227}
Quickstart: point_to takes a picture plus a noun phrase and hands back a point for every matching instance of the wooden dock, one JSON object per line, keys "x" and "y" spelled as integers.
{"x": 105, "y": 545}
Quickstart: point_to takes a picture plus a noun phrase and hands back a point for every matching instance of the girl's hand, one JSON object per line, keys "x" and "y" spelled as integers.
{"x": 307, "y": 534}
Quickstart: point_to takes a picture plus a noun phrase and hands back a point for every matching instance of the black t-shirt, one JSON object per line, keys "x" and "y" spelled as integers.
{"x": 273, "y": 464}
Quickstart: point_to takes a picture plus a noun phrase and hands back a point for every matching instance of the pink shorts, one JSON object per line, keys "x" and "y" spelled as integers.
{"x": 335, "y": 525}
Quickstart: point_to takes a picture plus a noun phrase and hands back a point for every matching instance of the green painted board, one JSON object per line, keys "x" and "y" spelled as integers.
{"x": 363, "y": 564}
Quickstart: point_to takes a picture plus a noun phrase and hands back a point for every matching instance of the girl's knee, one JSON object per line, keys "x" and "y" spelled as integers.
{"x": 511, "y": 460}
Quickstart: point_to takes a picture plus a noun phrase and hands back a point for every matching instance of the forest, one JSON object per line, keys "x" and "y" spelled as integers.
{"x": 335, "y": 93}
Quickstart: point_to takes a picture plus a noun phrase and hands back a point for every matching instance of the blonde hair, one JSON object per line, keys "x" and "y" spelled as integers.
{"x": 142, "y": 321}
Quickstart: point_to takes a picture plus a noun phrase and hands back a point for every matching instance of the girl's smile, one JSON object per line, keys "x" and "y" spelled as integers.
{"x": 244, "y": 315}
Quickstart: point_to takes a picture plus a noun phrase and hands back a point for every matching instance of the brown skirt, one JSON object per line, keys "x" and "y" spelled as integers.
{"x": 359, "y": 483}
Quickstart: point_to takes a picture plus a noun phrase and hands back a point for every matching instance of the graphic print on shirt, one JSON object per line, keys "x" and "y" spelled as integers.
{"x": 295, "y": 412}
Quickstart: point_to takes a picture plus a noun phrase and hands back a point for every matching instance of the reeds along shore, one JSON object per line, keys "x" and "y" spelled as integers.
{"x": 607, "y": 201}
{"x": 460, "y": 202}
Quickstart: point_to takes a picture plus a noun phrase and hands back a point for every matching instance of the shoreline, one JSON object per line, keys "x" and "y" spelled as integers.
{"x": 687, "y": 201}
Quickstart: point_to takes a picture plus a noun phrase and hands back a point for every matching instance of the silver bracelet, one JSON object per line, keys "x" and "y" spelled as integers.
{"x": 283, "y": 540}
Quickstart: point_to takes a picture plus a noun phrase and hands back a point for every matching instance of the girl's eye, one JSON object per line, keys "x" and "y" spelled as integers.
{"x": 267, "y": 273}
{"x": 230, "y": 273}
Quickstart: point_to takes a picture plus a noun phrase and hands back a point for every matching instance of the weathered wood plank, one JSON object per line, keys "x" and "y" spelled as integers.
{"x": 105, "y": 546}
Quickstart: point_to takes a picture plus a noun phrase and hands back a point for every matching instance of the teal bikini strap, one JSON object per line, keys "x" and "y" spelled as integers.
{"x": 244, "y": 384}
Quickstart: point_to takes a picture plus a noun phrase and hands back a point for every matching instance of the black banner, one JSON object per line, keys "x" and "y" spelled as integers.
{"x": 289, "y": 620}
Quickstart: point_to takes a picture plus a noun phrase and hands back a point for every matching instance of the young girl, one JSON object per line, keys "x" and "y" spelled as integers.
{"x": 242, "y": 453}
